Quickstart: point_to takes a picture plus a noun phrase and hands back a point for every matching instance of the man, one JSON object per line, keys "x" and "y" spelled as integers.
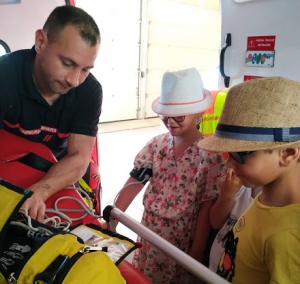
{"x": 48, "y": 95}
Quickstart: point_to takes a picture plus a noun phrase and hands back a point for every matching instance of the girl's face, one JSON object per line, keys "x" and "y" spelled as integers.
{"x": 259, "y": 168}
{"x": 181, "y": 125}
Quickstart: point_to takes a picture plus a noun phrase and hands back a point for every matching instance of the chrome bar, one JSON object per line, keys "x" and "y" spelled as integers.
{"x": 190, "y": 264}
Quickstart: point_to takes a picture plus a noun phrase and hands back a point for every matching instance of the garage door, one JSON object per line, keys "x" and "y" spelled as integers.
{"x": 118, "y": 61}
{"x": 182, "y": 34}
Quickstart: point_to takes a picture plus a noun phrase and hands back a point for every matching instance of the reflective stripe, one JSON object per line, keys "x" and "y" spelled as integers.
{"x": 212, "y": 115}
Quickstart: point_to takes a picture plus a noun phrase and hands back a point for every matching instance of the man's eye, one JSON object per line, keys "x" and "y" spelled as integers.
{"x": 67, "y": 64}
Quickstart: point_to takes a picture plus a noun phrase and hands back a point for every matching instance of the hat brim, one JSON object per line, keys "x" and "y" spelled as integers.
{"x": 183, "y": 109}
{"x": 218, "y": 144}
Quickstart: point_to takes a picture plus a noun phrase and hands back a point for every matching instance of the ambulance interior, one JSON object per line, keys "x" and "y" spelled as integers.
{"x": 140, "y": 40}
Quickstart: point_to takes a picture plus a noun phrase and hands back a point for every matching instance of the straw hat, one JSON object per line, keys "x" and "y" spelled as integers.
{"x": 258, "y": 114}
{"x": 182, "y": 93}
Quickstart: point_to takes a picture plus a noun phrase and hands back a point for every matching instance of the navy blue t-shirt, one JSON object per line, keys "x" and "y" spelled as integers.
{"x": 24, "y": 112}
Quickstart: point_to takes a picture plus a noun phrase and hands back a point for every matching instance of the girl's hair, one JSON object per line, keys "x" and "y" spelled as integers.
{"x": 63, "y": 16}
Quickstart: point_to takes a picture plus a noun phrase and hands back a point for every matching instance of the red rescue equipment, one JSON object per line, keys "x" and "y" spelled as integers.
{"x": 14, "y": 155}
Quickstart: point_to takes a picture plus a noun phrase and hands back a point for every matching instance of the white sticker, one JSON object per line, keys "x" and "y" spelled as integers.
{"x": 85, "y": 234}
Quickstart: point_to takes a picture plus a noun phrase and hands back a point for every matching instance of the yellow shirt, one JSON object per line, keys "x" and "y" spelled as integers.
{"x": 264, "y": 246}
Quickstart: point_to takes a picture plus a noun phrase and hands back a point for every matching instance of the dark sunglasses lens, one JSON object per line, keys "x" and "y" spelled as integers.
{"x": 237, "y": 157}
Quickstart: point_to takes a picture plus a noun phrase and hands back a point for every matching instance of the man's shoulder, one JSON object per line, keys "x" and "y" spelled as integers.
{"x": 14, "y": 57}
{"x": 90, "y": 83}
{"x": 11, "y": 65}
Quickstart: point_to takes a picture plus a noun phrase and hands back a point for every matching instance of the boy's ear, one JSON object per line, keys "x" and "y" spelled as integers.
{"x": 40, "y": 40}
{"x": 289, "y": 155}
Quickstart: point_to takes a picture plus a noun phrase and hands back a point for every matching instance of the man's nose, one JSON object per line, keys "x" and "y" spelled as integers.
{"x": 73, "y": 78}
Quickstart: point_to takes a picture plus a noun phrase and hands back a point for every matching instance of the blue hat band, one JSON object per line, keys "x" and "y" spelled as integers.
{"x": 258, "y": 134}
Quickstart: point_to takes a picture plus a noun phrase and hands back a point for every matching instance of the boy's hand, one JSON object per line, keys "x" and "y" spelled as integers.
{"x": 231, "y": 184}
{"x": 195, "y": 254}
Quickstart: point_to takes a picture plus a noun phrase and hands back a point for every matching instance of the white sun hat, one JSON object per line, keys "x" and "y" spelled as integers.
{"x": 182, "y": 93}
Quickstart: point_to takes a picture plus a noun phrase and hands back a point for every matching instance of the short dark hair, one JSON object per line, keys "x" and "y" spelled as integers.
{"x": 68, "y": 15}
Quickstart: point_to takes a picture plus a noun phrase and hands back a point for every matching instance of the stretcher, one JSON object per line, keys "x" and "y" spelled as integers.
{"x": 71, "y": 203}
{"x": 68, "y": 201}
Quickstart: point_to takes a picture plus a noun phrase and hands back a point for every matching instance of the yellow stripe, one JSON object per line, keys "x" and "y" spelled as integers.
{"x": 84, "y": 185}
{"x": 87, "y": 189}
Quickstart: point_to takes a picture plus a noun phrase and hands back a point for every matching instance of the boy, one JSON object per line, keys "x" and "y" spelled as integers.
{"x": 260, "y": 128}
{"x": 233, "y": 200}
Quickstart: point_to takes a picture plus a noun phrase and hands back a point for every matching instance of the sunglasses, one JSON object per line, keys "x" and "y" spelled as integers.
{"x": 175, "y": 118}
{"x": 239, "y": 156}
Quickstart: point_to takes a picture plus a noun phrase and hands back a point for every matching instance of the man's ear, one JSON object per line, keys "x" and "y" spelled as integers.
{"x": 289, "y": 155}
{"x": 41, "y": 40}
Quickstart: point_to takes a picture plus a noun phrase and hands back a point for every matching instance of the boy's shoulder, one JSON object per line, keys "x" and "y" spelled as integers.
{"x": 275, "y": 218}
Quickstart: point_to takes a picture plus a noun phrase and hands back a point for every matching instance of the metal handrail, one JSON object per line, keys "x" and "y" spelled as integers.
{"x": 190, "y": 264}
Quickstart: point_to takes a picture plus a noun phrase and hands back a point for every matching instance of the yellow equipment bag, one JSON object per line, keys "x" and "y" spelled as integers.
{"x": 12, "y": 198}
{"x": 87, "y": 254}
{"x": 63, "y": 259}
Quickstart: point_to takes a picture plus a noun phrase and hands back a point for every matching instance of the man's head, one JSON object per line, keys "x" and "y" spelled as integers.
{"x": 67, "y": 48}
{"x": 71, "y": 16}
{"x": 259, "y": 126}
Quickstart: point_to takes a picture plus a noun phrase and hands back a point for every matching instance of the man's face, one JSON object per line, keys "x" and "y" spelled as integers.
{"x": 66, "y": 62}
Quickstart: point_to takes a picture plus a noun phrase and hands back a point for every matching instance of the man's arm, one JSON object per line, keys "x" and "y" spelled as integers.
{"x": 62, "y": 174}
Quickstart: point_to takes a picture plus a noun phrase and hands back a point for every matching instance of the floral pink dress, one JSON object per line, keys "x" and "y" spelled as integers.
{"x": 172, "y": 201}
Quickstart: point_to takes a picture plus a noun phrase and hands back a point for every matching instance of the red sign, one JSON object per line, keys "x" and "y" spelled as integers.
{"x": 261, "y": 43}
{"x": 249, "y": 77}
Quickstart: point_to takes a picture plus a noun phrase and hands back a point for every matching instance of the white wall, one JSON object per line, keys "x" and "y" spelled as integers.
{"x": 118, "y": 62}
{"x": 18, "y": 22}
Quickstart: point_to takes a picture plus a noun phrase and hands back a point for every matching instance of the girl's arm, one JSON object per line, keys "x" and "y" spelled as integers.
{"x": 129, "y": 192}
{"x": 221, "y": 209}
{"x": 202, "y": 231}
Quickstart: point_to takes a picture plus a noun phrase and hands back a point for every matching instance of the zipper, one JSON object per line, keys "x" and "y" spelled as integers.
{"x": 60, "y": 277}
{"x": 13, "y": 277}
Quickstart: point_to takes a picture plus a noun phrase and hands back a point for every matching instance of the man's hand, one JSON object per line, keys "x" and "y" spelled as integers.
{"x": 35, "y": 206}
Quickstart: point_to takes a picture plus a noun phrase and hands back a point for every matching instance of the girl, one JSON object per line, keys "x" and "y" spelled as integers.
{"x": 183, "y": 179}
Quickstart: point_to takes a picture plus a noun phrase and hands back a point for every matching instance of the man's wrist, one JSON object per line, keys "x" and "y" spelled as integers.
{"x": 41, "y": 189}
